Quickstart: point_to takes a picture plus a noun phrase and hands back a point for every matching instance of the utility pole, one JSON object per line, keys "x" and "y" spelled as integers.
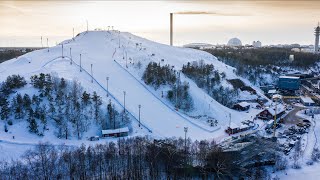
{"x": 72, "y": 33}
{"x": 107, "y": 86}
{"x": 80, "y": 64}
{"x": 70, "y": 56}
{"x": 91, "y": 74}
{"x": 139, "y": 113}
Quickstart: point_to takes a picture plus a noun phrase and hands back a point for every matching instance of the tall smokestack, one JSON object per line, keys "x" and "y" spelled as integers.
{"x": 171, "y": 29}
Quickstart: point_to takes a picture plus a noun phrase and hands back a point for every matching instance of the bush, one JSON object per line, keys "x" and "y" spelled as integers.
{"x": 10, "y": 123}
{"x": 5, "y": 128}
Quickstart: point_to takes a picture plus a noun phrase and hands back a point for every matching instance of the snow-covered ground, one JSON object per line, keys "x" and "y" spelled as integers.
{"x": 108, "y": 52}
{"x": 309, "y": 142}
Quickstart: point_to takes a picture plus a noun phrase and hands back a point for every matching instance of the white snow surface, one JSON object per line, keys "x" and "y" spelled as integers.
{"x": 101, "y": 49}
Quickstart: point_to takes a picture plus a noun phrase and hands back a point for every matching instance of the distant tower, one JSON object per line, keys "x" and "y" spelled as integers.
{"x": 317, "y": 33}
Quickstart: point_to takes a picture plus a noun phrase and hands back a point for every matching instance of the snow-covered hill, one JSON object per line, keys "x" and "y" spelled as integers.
{"x": 113, "y": 54}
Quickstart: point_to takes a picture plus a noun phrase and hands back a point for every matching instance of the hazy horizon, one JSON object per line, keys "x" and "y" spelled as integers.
{"x": 271, "y": 22}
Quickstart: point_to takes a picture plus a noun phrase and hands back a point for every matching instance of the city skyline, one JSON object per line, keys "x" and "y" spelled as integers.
{"x": 215, "y": 22}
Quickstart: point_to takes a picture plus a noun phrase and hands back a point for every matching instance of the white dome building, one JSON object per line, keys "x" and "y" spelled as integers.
{"x": 234, "y": 42}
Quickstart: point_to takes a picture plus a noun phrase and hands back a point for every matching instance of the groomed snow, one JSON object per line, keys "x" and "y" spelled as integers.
{"x": 101, "y": 49}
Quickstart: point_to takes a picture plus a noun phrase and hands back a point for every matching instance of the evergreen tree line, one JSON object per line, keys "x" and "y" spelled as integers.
{"x": 64, "y": 103}
{"x": 267, "y": 56}
{"x": 178, "y": 93}
{"x": 179, "y": 96}
{"x": 209, "y": 79}
{"x": 156, "y": 75}
{"x": 262, "y": 65}
{"x": 144, "y": 158}
{"x": 9, "y": 54}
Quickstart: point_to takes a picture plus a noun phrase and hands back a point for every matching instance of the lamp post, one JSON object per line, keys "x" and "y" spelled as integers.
{"x": 114, "y": 118}
{"x": 139, "y": 113}
{"x": 185, "y": 136}
{"x": 80, "y": 64}
{"x": 41, "y": 42}
{"x": 70, "y": 56}
{"x": 124, "y": 104}
{"x": 107, "y": 86}
{"x": 126, "y": 59}
{"x": 176, "y": 95}
{"x": 87, "y": 26}
{"x": 124, "y": 101}
{"x": 119, "y": 38}
{"x": 48, "y": 44}
{"x": 91, "y": 74}
{"x": 185, "y": 140}
{"x": 62, "y": 50}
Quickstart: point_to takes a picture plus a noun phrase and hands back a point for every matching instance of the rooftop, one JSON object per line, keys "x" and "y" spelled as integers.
{"x": 306, "y": 99}
{"x": 113, "y": 131}
{"x": 289, "y": 77}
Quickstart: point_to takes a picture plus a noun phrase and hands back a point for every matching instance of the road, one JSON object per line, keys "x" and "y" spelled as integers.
{"x": 291, "y": 117}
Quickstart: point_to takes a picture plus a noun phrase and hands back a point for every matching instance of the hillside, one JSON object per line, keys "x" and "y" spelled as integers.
{"x": 116, "y": 55}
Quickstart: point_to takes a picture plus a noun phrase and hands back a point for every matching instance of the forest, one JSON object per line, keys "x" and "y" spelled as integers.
{"x": 266, "y": 56}
{"x": 209, "y": 79}
{"x": 56, "y": 101}
{"x": 9, "y": 54}
{"x": 145, "y": 158}
{"x": 156, "y": 76}
{"x": 261, "y": 66}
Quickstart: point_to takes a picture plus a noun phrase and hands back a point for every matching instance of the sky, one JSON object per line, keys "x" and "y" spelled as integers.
{"x": 23, "y": 23}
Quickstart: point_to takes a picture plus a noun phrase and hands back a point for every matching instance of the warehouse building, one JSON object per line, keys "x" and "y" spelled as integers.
{"x": 307, "y": 101}
{"x": 289, "y": 83}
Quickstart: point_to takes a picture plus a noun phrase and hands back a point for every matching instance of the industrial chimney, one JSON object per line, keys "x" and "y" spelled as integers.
{"x": 171, "y": 29}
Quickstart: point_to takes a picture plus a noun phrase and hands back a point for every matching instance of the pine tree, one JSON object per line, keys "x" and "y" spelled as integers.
{"x": 26, "y": 102}
{"x": 5, "y": 110}
{"x": 85, "y": 98}
{"x": 48, "y": 85}
{"x": 17, "y": 107}
{"x": 33, "y": 126}
{"x": 62, "y": 84}
{"x": 110, "y": 111}
{"x": 97, "y": 102}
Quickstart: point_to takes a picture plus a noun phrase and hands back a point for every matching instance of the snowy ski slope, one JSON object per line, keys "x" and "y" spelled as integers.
{"x": 103, "y": 49}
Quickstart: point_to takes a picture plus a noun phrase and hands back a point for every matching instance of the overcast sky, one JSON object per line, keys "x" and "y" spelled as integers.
{"x": 271, "y": 22}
